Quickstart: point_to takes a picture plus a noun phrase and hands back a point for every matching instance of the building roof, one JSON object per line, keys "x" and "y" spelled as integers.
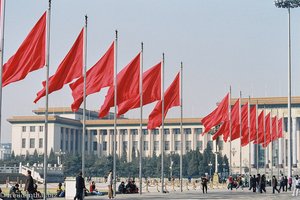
{"x": 41, "y": 119}
{"x": 269, "y": 101}
{"x": 64, "y": 110}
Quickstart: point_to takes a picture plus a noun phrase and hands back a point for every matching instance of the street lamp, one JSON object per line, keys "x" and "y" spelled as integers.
{"x": 289, "y": 4}
{"x": 210, "y": 167}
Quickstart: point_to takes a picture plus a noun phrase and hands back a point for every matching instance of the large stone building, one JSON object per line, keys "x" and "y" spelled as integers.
{"x": 65, "y": 134}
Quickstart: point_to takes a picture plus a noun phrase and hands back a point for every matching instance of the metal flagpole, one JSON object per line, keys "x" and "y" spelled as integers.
{"x": 181, "y": 129}
{"x": 47, "y": 99}
{"x": 265, "y": 140}
{"x": 115, "y": 118}
{"x": 257, "y": 145}
{"x": 271, "y": 126}
{"x": 162, "y": 125}
{"x": 84, "y": 96}
{"x": 240, "y": 115}
{"x": 230, "y": 131}
{"x": 1, "y": 59}
{"x": 278, "y": 144}
{"x": 249, "y": 129}
{"x": 141, "y": 118}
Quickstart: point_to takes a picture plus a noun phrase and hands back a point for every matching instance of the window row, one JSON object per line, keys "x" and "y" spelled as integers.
{"x": 32, "y": 128}
{"x": 32, "y": 143}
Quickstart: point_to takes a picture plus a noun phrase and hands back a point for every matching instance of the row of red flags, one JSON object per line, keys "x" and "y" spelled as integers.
{"x": 262, "y": 130}
{"x": 31, "y": 56}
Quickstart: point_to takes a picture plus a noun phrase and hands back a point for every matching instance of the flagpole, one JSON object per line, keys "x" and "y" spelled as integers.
{"x": 271, "y": 127}
{"x": 249, "y": 129}
{"x": 230, "y": 130}
{"x": 162, "y": 126}
{"x": 115, "y": 117}
{"x": 265, "y": 139}
{"x": 84, "y": 96}
{"x": 257, "y": 145}
{"x": 240, "y": 115}
{"x": 181, "y": 129}
{"x": 1, "y": 59}
{"x": 278, "y": 143}
{"x": 47, "y": 99}
{"x": 141, "y": 117}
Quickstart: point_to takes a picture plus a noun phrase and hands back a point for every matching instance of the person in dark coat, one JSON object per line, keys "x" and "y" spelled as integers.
{"x": 29, "y": 185}
{"x": 285, "y": 183}
{"x": 274, "y": 184}
{"x": 80, "y": 186}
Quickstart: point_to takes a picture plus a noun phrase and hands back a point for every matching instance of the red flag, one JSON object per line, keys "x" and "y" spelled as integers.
{"x": 268, "y": 130}
{"x": 235, "y": 122}
{"x": 29, "y": 57}
{"x": 261, "y": 125}
{"x": 171, "y": 98}
{"x": 69, "y": 69}
{"x": 245, "y": 128}
{"x": 151, "y": 90}
{"x": 127, "y": 86}
{"x": 274, "y": 128}
{"x": 217, "y": 116}
{"x": 253, "y": 123}
{"x": 225, "y": 127}
{"x": 97, "y": 77}
{"x": 280, "y": 128}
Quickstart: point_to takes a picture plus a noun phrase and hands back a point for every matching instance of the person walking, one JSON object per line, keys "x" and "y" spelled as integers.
{"x": 281, "y": 183}
{"x": 29, "y": 187}
{"x": 296, "y": 186}
{"x": 290, "y": 181}
{"x": 262, "y": 184}
{"x": 80, "y": 186}
{"x": 110, "y": 183}
{"x": 274, "y": 184}
{"x": 204, "y": 184}
{"x": 251, "y": 182}
{"x": 285, "y": 188}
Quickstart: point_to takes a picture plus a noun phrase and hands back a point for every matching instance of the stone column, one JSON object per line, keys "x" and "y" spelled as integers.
{"x": 150, "y": 143}
{"x": 172, "y": 135}
{"x": 253, "y": 153}
{"x": 119, "y": 143}
{"x": 294, "y": 140}
{"x": 129, "y": 150}
{"x": 194, "y": 141}
{"x": 99, "y": 142}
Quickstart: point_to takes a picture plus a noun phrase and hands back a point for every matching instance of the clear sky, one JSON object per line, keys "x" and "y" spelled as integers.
{"x": 242, "y": 43}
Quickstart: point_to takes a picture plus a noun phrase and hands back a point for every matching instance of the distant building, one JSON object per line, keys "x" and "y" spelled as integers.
{"x": 5, "y": 151}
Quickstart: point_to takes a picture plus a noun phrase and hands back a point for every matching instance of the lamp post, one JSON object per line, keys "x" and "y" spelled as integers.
{"x": 210, "y": 167}
{"x": 289, "y": 4}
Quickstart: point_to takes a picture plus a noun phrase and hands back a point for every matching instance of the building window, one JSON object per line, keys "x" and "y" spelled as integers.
{"x": 61, "y": 130}
{"x": 167, "y": 145}
{"x": 188, "y": 145}
{"x": 116, "y": 145}
{"x": 221, "y": 145}
{"x": 177, "y": 145}
{"x": 41, "y": 143}
{"x": 166, "y": 131}
{"x": 187, "y": 131}
{"x": 61, "y": 141}
{"x": 32, "y": 129}
{"x": 200, "y": 145}
{"x": 146, "y": 147}
{"x": 125, "y": 146}
{"x": 95, "y": 144}
{"x": 145, "y": 131}
{"x": 198, "y": 130}
{"x": 156, "y": 146}
{"x": 94, "y": 132}
{"x": 134, "y": 132}
{"x": 135, "y": 145}
{"x": 155, "y": 132}
{"x": 104, "y": 146}
{"x": 31, "y": 144}
{"x": 111, "y": 132}
{"x": 103, "y": 132}
{"x": 176, "y": 131}
{"x": 123, "y": 132}
{"x": 41, "y": 128}
{"x": 23, "y": 128}
{"x": 23, "y": 143}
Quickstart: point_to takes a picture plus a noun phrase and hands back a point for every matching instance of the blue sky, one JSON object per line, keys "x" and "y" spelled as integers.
{"x": 221, "y": 43}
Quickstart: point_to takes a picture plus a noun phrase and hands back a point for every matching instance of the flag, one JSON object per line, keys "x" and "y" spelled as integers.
{"x": 97, "y": 77}
{"x": 245, "y": 128}
{"x": 235, "y": 122}
{"x": 274, "y": 128}
{"x": 69, "y": 69}
{"x": 280, "y": 128}
{"x": 151, "y": 90}
{"x": 261, "y": 125}
{"x": 127, "y": 86}
{"x": 219, "y": 115}
{"x": 252, "y": 123}
{"x": 30, "y": 56}
{"x": 171, "y": 99}
{"x": 268, "y": 130}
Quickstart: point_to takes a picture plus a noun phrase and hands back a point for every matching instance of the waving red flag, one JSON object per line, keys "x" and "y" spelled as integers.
{"x": 253, "y": 123}
{"x": 219, "y": 115}
{"x": 171, "y": 98}
{"x": 261, "y": 125}
{"x": 235, "y": 122}
{"x": 69, "y": 69}
{"x": 245, "y": 128}
{"x": 97, "y": 77}
{"x": 29, "y": 57}
{"x": 151, "y": 90}
{"x": 274, "y": 128}
{"x": 268, "y": 130}
{"x": 127, "y": 86}
{"x": 280, "y": 128}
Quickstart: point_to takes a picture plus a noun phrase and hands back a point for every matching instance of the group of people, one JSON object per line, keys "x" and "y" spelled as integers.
{"x": 129, "y": 188}
{"x": 238, "y": 182}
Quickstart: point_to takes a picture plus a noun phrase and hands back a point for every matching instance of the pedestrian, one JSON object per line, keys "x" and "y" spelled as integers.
{"x": 258, "y": 182}
{"x": 29, "y": 187}
{"x": 290, "y": 181}
{"x": 296, "y": 186}
{"x": 262, "y": 184}
{"x": 110, "y": 183}
{"x": 204, "y": 181}
{"x": 230, "y": 183}
{"x": 274, "y": 184}
{"x": 281, "y": 183}
{"x": 285, "y": 183}
{"x": 251, "y": 183}
{"x": 80, "y": 186}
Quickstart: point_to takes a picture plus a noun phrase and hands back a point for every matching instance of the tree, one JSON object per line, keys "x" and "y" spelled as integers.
{"x": 52, "y": 158}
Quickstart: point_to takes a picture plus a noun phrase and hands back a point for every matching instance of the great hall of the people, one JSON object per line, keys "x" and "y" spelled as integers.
{"x": 65, "y": 134}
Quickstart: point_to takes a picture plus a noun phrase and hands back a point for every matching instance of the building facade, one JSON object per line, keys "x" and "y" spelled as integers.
{"x": 65, "y": 134}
